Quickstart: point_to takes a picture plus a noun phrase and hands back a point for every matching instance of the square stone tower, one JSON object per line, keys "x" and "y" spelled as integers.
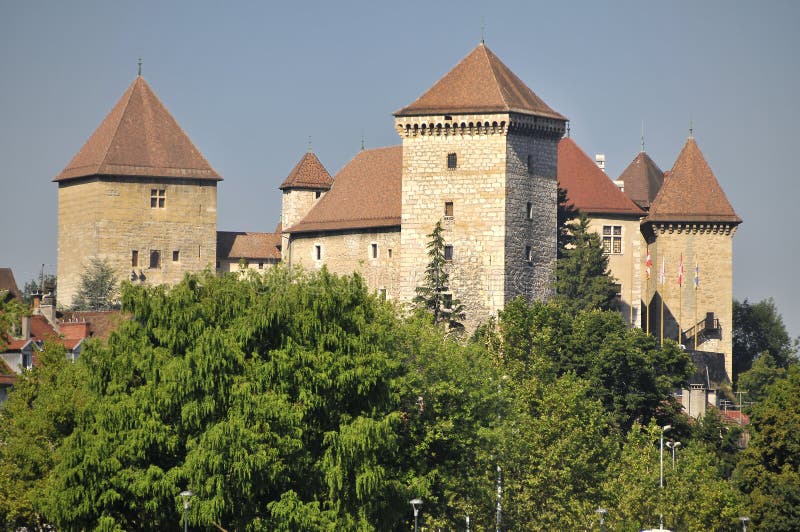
{"x": 480, "y": 151}
{"x": 139, "y": 195}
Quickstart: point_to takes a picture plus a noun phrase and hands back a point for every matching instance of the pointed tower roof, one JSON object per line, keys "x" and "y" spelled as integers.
{"x": 480, "y": 83}
{"x": 308, "y": 173}
{"x": 589, "y": 188}
{"x": 643, "y": 179}
{"x": 691, "y": 193}
{"x": 139, "y": 137}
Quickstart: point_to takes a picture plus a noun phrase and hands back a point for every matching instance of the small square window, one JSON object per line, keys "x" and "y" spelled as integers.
{"x": 260, "y": 265}
{"x": 176, "y": 256}
{"x": 452, "y": 161}
{"x": 317, "y": 194}
{"x": 134, "y": 258}
{"x": 448, "y": 252}
{"x": 155, "y": 259}
{"x": 389, "y": 251}
{"x": 612, "y": 239}
{"x": 373, "y": 250}
{"x": 317, "y": 252}
{"x": 529, "y": 209}
{"x": 158, "y": 197}
{"x": 448, "y": 209}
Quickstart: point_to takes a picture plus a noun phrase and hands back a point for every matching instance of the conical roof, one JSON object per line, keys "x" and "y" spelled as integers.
{"x": 480, "y": 83}
{"x": 642, "y": 179}
{"x": 588, "y": 188}
{"x": 308, "y": 173}
{"x": 139, "y": 137}
{"x": 691, "y": 193}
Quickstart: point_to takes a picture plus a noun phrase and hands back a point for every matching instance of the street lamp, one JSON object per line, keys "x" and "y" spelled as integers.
{"x": 602, "y": 512}
{"x": 744, "y": 521}
{"x": 664, "y": 429}
{"x": 673, "y": 445}
{"x": 186, "y": 495}
{"x": 415, "y": 504}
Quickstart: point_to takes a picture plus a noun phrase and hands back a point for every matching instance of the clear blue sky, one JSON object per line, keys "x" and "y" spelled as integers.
{"x": 251, "y": 81}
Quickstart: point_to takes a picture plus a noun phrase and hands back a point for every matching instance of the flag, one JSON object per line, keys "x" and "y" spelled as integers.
{"x": 661, "y": 277}
{"x": 680, "y": 272}
{"x": 696, "y": 274}
{"x": 648, "y": 263}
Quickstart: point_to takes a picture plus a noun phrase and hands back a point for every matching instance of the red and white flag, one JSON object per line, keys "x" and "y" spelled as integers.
{"x": 661, "y": 277}
{"x": 647, "y": 265}
{"x": 680, "y": 272}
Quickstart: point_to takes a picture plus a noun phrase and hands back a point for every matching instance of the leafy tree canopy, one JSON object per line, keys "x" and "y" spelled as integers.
{"x": 757, "y": 329}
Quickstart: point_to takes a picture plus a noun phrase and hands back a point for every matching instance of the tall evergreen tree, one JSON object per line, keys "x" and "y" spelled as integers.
{"x": 99, "y": 288}
{"x": 566, "y": 212}
{"x": 435, "y": 295}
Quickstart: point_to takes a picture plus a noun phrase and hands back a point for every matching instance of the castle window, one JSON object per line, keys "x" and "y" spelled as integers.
{"x": 530, "y": 164}
{"x": 389, "y": 251}
{"x": 176, "y": 256}
{"x": 529, "y": 210}
{"x": 452, "y": 161}
{"x": 158, "y": 197}
{"x": 448, "y": 252}
{"x": 261, "y": 265}
{"x": 528, "y": 254}
{"x": 612, "y": 239}
{"x": 317, "y": 252}
{"x": 373, "y": 250}
{"x": 448, "y": 210}
{"x": 155, "y": 259}
{"x": 317, "y": 194}
{"x": 134, "y": 258}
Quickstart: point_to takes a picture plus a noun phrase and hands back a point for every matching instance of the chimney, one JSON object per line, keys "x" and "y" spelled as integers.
{"x": 74, "y": 330}
{"x": 25, "y": 325}
{"x": 37, "y": 301}
{"x": 600, "y": 160}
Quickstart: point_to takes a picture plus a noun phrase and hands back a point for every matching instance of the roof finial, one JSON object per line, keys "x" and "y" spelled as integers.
{"x": 568, "y": 129}
{"x": 483, "y": 29}
{"x": 642, "y": 136}
{"x": 362, "y": 141}
{"x": 691, "y": 129}
{"x": 139, "y": 62}
{"x": 309, "y": 144}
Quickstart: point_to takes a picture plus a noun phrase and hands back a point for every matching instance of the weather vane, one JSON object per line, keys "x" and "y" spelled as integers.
{"x": 139, "y": 62}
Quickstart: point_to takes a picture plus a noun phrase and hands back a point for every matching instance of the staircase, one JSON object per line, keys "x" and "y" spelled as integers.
{"x": 705, "y": 329}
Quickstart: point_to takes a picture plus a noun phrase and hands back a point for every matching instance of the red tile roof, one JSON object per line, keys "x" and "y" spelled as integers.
{"x": 589, "y": 188}
{"x": 366, "y": 193}
{"x": 7, "y": 282}
{"x": 239, "y": 245}
{"x": 480, "y": 83}
{"x": 101, "y": 323}
{"x": 41, "y": 328}
{"x": 691, "y": 193}
{"x": 7, "y": 375}
{"x": 16, "y": 345}
{"x": 735, "y": 416}
{"x": 308, "y": 173}
{"x": 642, "y": 179}
{"x": 139, "y": 137}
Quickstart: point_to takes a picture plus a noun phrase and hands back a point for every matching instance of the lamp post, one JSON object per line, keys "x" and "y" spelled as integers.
{"x": 673, "y": 445}
{"x": 664, "y": 429}
{"x": 602, "y": 512}
{"x": 415, "y": 504}
{"x": 744, "y": 521}
{"x": 186, "y": 495}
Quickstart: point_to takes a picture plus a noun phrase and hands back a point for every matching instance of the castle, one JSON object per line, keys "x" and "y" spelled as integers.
{"x": 480, "y": 151}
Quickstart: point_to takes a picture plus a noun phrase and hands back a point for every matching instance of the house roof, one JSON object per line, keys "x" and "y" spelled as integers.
{"x": 691, "y": 193}
{"x": 480, "y": 83}
{"x": 588, "y": 187}
{"x": 240, "y": 245}
{"x": 101, "y": 323}
{"x": 7, "y": 282}
{"x": 308, "y": 173}
{"x": 41, "y": 328}
{"x": 366, "y": 193}
{"x": 642, "y": 179}
{"x": 139, "y": 137}
{"x": 7, "y": 375}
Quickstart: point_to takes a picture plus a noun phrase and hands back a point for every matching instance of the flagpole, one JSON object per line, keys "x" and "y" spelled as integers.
{"x": 647, "y": 264}
{"x": 696, "y": 297}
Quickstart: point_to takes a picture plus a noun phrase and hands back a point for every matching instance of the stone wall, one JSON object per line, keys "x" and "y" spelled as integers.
{"x": 711, "y": 245}
{"x": 111, "y": 217}
{"x": 295, "y": 204}
{"x": 346, "y": 252}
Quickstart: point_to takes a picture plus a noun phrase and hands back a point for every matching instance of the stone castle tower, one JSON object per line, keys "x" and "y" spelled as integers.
{"x": 480, "y": 154}
{"x": 691, "y": 218}
{"x": 303, "y": 187}
{"x": 139, "y": 195}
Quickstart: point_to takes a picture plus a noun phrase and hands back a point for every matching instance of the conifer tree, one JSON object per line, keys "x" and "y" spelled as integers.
{"x": 435, "y": 295}
{"x": 99, "y": 287}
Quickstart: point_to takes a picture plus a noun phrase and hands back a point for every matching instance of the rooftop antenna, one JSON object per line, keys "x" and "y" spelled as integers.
{"x": 691, "y": 129}
{"x": 139, "y": 62}
{"x": 362, "y": 141}
{"x": 642, "y": 136}
{"x": 483, "y": 29}
{"x": 568, "y": 129}
{"x": 309, "y": 144}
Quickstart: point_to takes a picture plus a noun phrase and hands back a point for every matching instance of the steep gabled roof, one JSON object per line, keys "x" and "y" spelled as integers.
{"x": 139, "y": 137}
{"x": 691, "y": 193}
{"x": 308, "y": 173}
{"x": 366, "y": 193}
{"x": 589, "y": 188}
{"x": 240, "y": 245}
{"x": 480, "y": 83}
{"x": 642, "y": 179}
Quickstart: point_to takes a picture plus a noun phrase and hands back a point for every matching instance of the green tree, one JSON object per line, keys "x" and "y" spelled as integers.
{"x": 758, "y": 328}
{"x": 435, "y": 296}
{"x": 768, "y": 472}
{"x": 98, "y": 288}
{"x": 583, "y": 281}
{"x": 45, "y": 286}
{"x": 565, "y": 213}
{"x": 11, "y": 311}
